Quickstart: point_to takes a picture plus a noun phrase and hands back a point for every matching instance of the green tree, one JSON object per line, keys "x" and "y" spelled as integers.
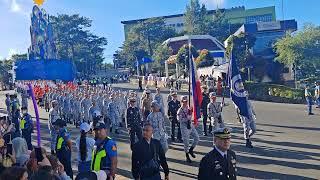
{"x": 183, "y": 57}
{"x": 162, "y": 53}
{"x": 204, "y": 59}
{"x": 19, "y": 57}
{"x": 144, "y": 39}
{"x": 240, "y": 47}
{"x": 219, "y": 27}
{"x": 302, "y": 50}
{"x": 196, "y": 19}
{"x": 74, "y": 41}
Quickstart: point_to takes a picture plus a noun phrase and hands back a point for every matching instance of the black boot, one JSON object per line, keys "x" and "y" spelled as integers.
{"x": 188, "y": 158}
{"x": 248, "y": 143}
{"x": 191, "y": 152}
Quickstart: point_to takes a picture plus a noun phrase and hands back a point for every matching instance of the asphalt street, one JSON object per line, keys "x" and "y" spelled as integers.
{"x": 286, "y": 145}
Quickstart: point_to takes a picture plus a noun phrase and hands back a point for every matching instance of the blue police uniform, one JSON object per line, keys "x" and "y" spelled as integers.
{"x": 26, "y": 127}
{"x": 102, "y": 153}
{"x": 63, "y": 152}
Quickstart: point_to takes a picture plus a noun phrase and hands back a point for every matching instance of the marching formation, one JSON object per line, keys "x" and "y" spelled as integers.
{"x": 101, "y": 111}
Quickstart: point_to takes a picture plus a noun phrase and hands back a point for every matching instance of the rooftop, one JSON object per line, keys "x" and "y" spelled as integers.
{"x": 240, "y": 8}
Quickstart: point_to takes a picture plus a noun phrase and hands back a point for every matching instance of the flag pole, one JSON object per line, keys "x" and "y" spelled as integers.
{"x": 225, "y": 84}
{"x": 190, "y": 59}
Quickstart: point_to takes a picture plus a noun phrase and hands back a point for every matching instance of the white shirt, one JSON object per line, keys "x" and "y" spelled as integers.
{"x": 222, "y": 153}
{"x": 90, "y": 143}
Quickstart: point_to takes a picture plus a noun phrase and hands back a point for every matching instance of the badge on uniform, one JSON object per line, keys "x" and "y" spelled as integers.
{"x": 114, "y": 148}
{"x": 218, "y": 166}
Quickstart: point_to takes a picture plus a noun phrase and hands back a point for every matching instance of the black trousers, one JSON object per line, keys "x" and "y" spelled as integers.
{"x": 64, "y": 157}
{"x": 204, "y": 121}
{"x": 26, "y": 134}
{"x": 174, "y": 123}
{"x": 135, "y": 131}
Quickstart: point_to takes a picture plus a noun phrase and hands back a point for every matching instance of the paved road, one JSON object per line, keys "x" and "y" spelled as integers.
{"x": 287, "y": 145}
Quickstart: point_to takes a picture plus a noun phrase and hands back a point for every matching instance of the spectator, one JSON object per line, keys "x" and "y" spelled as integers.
{"x": 21, "y": 151}
{"x": 14, "y": 173}
{"x": 147, "y": 155}
{"x": 57, "y": 168}
{"x": 84, "y": 146}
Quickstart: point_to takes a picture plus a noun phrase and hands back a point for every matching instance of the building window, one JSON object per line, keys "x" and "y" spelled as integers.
{"x": 259, "y": 18}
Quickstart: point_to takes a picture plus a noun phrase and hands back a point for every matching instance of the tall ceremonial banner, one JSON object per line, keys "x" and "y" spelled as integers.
{"x": 195, "y": 88}
{"x": 237, "y": 91}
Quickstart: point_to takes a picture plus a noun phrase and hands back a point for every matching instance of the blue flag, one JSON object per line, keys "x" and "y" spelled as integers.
{"x": 147, "y": 60}
{"x": 237, "y": 91}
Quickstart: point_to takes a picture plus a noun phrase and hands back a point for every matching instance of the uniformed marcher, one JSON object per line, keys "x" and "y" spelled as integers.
{"x": 24, "y": 99}
{"x": 173, "y": 107}
{"x": 203, "y": 108}
{"x": 114, "y": 115}
{"x": 220, "y": 163}
{"x": 187, "y": 128}
{"x": 53, "y": 116}
{"x": 248, "y": 123}
{"x": 133, "y": 121}
{"x": 158, "y": 97}
{"x": 146, "y": 104}
{"x": 156, "y": 119}
{"x": 104, "y": 154}
{"x": 169, "y": 97}
{"x": 214, "y": 112}
{"x": 63, "y": 146}
{"x": 26, "y": 126}
{"x": 86, "y": 103}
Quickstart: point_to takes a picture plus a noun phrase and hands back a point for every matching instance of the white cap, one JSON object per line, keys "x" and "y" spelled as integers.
{"x": 85, "y": 127}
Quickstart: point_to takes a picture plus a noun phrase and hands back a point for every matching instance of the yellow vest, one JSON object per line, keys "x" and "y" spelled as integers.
{"x": 98, "y": 156}
{"x": 59, "y": 143}
{"x": 22, "y": 123}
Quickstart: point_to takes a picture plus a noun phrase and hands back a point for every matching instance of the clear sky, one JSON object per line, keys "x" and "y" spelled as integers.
{"x": 107, "y": 14}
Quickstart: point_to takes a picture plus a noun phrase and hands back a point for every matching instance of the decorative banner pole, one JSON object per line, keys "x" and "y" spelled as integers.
{"x": 37, "y": 114}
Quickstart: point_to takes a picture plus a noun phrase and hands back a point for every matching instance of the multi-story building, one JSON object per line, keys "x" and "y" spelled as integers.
{"x": 236, "y": 15}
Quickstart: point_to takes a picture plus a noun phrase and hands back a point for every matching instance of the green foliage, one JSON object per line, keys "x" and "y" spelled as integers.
{"x": 162, "y": 53}
{"x": 183, "y": 56}
{"x": 301, "y": 50}
{"x": 19, "y": 57}
{"x": 5, "y": 67}
{"x": 199, "y": 22}
{"x": 74, "y": 41}
{"x": 144, "y": 38}
{"x": 196, "y": 19}
{"x": 204, "y": 59}
{"x": 240, "y": 46}
{"x": 274, "y": 93}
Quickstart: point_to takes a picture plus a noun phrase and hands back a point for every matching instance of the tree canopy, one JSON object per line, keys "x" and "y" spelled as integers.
{"x": 301, "y": 50}
{"x": 75, "y": 41}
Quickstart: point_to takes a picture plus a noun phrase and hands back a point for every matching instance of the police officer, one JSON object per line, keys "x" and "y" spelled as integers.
{"x": 63, "y": 146}
{"x": 220, "y": 163}
{"x": 214, "y": 112}
{"x": 169, "y": 97}
{"x": 203, "y": 108}
{"x": 187, "y": 128}
{"x": 133, "y": 121}
{"x": 173, "y": 107}
{"x": 104, "y": 155}
{"x": 26, "y": 126}
{"x": 53, "y": 116}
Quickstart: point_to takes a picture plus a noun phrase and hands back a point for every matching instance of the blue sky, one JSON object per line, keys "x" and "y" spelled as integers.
{"x": 107, "y": 14}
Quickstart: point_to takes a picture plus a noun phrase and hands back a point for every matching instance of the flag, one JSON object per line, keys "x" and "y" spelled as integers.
{"x": 147, "y": 60}
{"x": 237, "y": 91}
{"x": 196, "y": 92}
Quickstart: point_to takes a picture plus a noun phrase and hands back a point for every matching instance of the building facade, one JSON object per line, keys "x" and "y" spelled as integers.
{"x": 236, "y": 15}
